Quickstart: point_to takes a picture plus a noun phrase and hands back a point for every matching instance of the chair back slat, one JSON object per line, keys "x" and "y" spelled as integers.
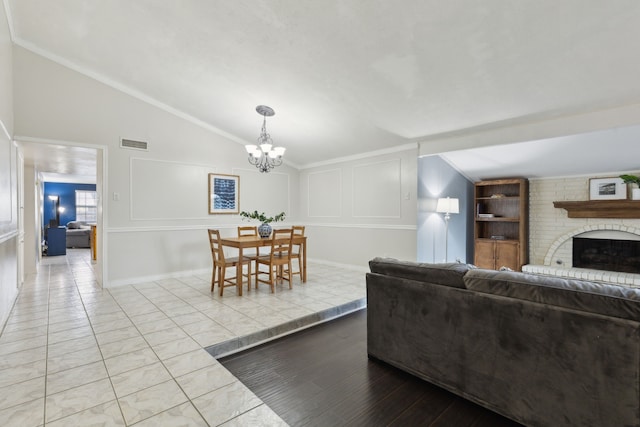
{"x": 247, "y": 231}
{"x": 281, "y": 243}
{"x": 216, "y": 247}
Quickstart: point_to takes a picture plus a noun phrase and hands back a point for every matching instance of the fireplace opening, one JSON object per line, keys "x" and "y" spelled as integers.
{"x": 607, "y": 254}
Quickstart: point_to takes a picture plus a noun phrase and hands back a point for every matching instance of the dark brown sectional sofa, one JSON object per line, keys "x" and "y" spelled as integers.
{"x": 542, "y": 351}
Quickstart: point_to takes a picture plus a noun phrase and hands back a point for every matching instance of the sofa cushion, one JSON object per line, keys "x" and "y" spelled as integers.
{"x": 449, "y": 274}
{"x": 601, "y": 298}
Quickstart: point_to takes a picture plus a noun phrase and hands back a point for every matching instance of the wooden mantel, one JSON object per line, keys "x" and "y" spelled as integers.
{"x": 601, "y": 208}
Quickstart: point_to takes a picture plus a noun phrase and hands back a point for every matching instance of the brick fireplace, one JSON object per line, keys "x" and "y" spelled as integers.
{"x": 551, "y": 232}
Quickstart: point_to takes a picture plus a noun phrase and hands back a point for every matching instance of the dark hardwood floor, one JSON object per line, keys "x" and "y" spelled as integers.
{"x": 322, "y": 377}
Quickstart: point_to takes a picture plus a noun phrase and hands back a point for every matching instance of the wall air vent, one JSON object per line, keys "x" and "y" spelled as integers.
{"x": 134, "y": 145}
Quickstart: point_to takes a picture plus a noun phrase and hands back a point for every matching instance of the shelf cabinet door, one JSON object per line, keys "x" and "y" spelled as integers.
{"x": 507, "y": 255}
{"x": 485, "y": 254}
{"x": 495, "y": 254}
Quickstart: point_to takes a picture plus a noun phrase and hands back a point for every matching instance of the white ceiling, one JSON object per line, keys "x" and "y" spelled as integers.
{"x": 347, "y": 77}
{"x": 603, "y": 153}
{"x": 61, "y": 163}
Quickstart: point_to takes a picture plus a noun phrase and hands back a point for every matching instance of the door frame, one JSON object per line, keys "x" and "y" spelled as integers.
{"x": 100, "y": 266}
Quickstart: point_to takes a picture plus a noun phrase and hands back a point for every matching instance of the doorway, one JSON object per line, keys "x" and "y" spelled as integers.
{"x": 58, "y": 162}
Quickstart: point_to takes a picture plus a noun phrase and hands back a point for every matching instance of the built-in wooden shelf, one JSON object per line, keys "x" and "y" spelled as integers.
{"x": 501, "y": 226}
{"x": 498, "y": 219}
{"x": 601, "y": 208}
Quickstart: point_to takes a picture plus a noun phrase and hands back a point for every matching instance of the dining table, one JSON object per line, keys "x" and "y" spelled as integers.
{"x": 243, "y": 242}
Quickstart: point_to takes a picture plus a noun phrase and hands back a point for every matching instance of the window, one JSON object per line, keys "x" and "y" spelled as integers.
{"x": 86, "y": 206}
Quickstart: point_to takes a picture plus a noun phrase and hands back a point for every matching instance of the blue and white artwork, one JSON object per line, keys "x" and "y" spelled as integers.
{"x": 223, "y": 192}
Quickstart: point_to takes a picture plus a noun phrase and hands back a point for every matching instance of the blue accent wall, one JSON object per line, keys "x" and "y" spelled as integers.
{"x": 437, "y": 178}
{"x": 67, "y": 197}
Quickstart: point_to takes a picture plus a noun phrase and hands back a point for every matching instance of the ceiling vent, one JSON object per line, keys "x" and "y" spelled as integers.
{"x": 134, "y": 145}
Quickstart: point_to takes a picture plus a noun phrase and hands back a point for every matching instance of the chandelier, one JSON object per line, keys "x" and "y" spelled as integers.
{"x": 265, "y": 156}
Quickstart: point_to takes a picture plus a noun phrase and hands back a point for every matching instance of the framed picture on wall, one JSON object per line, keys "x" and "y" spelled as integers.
{"x": 224, "y": 193}
{"x": 607, "y": 189}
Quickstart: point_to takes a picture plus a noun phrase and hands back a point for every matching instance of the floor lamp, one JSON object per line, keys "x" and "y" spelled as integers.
{"x": 447, "y": 206}
{"x": 55, "y": 200}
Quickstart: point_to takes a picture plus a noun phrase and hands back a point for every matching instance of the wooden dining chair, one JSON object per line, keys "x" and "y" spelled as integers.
{"x": 298, "y": 230}
{"x": 252, "y": 255}
{"x": 277, "y": 260}
{"x": 221, "y": 263}
{"x": 249, "y": 231}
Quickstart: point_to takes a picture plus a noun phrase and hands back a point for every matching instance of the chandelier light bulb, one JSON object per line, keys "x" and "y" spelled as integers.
{"x": 265, "y": 148}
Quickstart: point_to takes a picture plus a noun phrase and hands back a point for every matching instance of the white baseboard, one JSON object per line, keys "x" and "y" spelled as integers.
{"x": 155, "y": 277}
{"x": 178, "y": 274}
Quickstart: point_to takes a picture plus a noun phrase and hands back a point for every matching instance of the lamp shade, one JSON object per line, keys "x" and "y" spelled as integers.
{"x": 448, "y": 205}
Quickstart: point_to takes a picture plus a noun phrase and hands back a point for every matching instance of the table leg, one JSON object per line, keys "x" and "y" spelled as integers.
{"x": 239, "y": 272}
{"x": 304, "y": 261}
{"x": 94, "y": 242}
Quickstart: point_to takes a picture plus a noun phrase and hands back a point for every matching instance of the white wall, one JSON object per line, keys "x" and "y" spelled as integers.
{"x": 6, "y": 73}
{"x": 359, "y": 209}
{"x": 9, "y": 235}
{"x": 156, "y": 227}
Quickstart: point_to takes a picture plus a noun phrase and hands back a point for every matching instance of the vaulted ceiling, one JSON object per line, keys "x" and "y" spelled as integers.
{"x": 347, "y": 77}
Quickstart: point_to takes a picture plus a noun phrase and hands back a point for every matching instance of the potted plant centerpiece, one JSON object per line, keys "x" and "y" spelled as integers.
{"x": 632, "y": 179}
{"x": 265, "y": 229}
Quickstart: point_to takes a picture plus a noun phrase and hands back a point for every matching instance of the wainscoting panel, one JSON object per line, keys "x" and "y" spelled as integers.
{"x": 325, "y": 194}
{"x": 357, "y": 245}
{"x": 6, "y": 206}
{"x": 168, "y": 190}
{"x": 9, "y": 234}
{"x": 142, "y": 255}
{"x": 8, "y": 275}
{"x": 264, "y": 192}
{"x": 377, "y": 188}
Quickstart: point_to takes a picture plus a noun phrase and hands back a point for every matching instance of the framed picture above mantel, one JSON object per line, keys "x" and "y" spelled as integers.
{"x": 612, "y": 188}
{"x": 224, "y": 193}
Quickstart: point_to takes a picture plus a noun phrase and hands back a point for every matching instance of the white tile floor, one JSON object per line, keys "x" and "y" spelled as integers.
{"x": 72, "y": 354}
